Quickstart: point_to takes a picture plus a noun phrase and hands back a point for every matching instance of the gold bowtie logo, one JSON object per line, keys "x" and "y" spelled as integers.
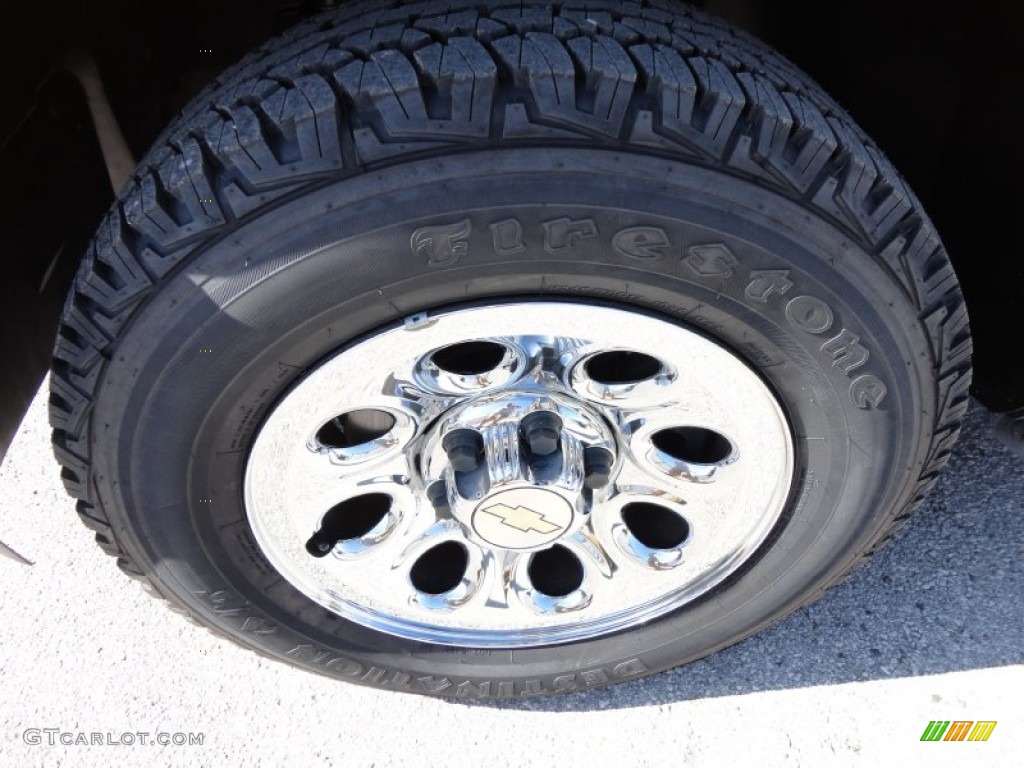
{"x": 521, "y": 518}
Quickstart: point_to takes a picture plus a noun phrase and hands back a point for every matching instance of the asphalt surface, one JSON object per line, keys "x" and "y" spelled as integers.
{"x": 930, "y": 629}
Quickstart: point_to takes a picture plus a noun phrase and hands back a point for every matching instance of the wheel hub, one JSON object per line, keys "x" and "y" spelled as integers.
{"x": 518, "y": 469}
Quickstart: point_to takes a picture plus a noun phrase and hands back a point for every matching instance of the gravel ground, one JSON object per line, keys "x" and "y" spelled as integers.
{"x": 929, "y": 629}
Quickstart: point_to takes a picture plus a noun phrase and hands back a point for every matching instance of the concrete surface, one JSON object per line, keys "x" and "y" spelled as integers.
{"x": 929, "y": 629}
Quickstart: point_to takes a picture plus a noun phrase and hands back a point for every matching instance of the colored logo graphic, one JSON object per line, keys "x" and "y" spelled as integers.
{"x": 522, "y": 518}
{"x": 958, "y": 730}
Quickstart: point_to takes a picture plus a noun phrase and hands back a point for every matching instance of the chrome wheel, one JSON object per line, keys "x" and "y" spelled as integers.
{"x": 518, "y": 474}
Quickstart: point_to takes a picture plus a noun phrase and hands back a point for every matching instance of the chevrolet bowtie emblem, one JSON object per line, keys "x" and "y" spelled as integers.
{"x": 521, "y": 518}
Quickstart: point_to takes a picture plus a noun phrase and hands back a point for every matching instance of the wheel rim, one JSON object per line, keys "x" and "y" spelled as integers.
{"x": 518, "y": 474}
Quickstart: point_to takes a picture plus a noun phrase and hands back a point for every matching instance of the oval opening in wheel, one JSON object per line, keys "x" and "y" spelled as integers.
{"x": 555, "y": 572}
{"x": 693, "y": 445}
{"x": 622, "y": 367}
{"x": 655, "y": 526}
{"x": 440, "y": 569}
{"x": 355, "y": 428}
{"x": 470, "y": 358}
{"x": 350, "y": 519}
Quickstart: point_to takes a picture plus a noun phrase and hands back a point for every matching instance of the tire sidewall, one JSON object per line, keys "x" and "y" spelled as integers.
{"x": 293, "y": 284}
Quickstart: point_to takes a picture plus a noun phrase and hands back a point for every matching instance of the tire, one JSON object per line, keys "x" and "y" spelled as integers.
{"x": 377, "y": 171}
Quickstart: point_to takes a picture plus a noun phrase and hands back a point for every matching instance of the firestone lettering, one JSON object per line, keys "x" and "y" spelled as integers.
{"x": 442, "y": 245}
{"x": 644, "y": 243}
{"x": 712, "y": 260}
{"x": 446, "y": 243}
{"x": 565, "y": 234}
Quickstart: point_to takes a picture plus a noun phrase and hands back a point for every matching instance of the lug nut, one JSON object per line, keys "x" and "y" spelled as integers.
{"x": 597, "y": 467}
{"x": 465, "y": 448}
{"x": 541, "y": 431}
{"x": 437, "y": 493}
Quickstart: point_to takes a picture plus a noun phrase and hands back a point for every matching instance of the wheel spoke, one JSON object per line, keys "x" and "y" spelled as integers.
{"x": 596, "y": 559}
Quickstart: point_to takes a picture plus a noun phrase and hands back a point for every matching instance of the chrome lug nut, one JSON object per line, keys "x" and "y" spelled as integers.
{"x": 597, "y": 467}
{"x": 465, "y": 449}
{"x": 541, "y": 430}
{"x": 437, "y": 493}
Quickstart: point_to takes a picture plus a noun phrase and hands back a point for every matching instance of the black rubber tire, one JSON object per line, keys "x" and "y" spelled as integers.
{"x": 272, "y": 223}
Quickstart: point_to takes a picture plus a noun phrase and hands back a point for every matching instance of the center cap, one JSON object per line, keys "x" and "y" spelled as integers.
{"x": 522, "y": 518}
